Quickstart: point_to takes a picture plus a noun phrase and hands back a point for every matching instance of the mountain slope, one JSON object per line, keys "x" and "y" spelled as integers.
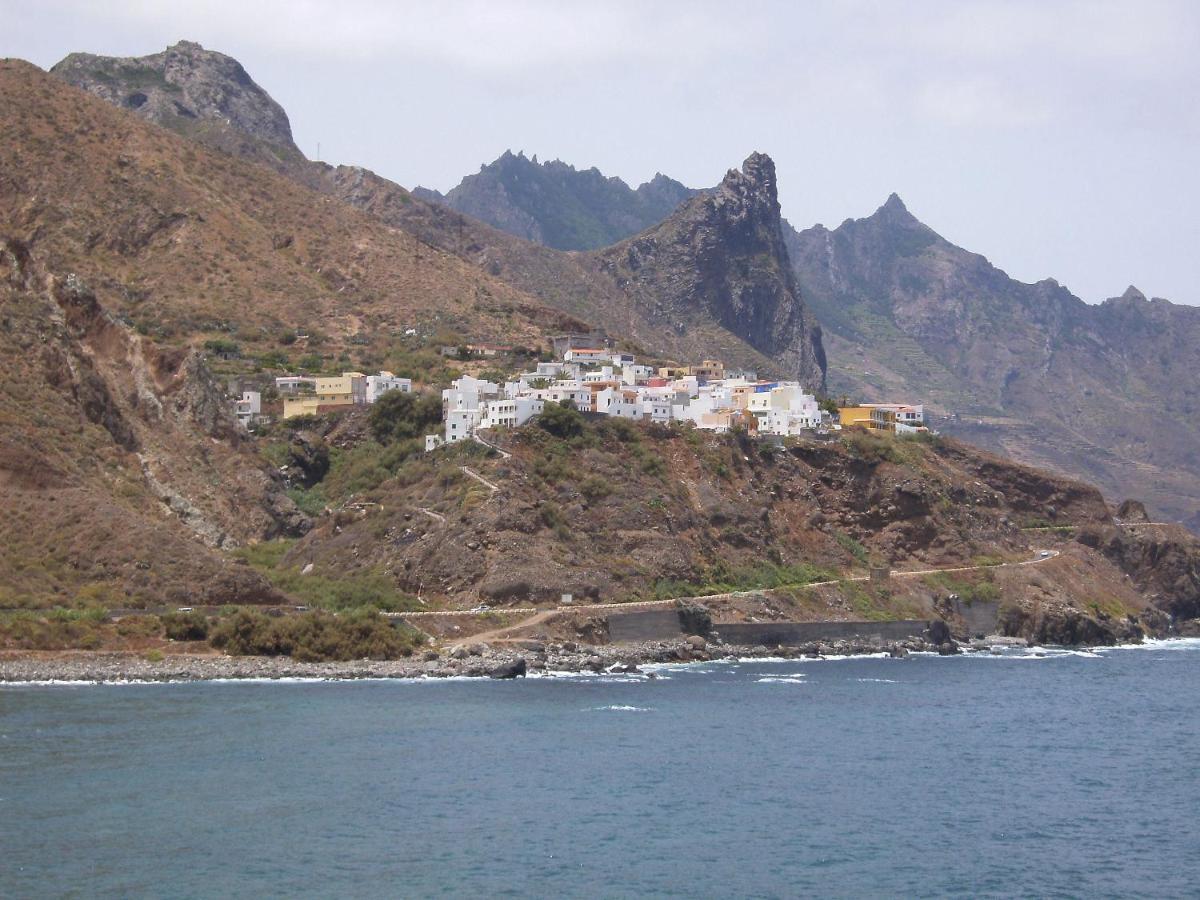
{"x": 1108, "y": 392}
{"x": 558, "y": 206}
{"x": 123, "y": 248}
{"x": 592, "y": 288}
{"x": 185, "y": 241}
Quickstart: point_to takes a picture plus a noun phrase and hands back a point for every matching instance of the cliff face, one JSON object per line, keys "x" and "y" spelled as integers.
{"x": 122, "y": 472}
{"x": 555, "y": 204}
{"x": 201, "y": 94}
{"x": 722, "y": 256}
{"x": 1105, "y": 392}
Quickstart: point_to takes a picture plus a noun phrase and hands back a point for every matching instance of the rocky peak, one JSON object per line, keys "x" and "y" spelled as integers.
{"x": 721, "y": 256}
{"x": 558, "y": 205}
{"x": 894, "y": 214}
{"x": 1133, "y": 294}
{"x": 180, "y": 87}
{"x": 755, "y": 181}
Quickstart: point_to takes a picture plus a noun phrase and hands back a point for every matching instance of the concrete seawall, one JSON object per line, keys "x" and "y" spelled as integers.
{"x": 771, "y": 634}
{"x": 645, "y": 625}
{"x": 666, "y": 624}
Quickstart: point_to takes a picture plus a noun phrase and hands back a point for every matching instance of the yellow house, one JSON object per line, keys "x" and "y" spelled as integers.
{"x": 300, "y": 406}
{"x": 711, "y": 369}
{"x": 340, "y": 390}
{"x": 856, "y": 415}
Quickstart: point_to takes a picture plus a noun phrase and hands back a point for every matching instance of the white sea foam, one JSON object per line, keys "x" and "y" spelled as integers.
{"x": 616, "y": 708}
{"x": 781, "y": 679}
{"x": 877, "y": 680}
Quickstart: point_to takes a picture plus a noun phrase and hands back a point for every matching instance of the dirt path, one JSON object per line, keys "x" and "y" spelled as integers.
{"x": 538, "y": 616}
{"x": 471, "y": 473}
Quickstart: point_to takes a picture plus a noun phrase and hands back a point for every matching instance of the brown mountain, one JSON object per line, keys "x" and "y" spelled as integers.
{"x": 125, "y": 249}
{"x": 1108, "y": 392}
{"x": 732, "y": 239}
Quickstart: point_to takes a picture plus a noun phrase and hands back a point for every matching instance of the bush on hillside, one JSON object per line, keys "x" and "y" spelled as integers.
{"x": 398, "y": 416}
{"x": 562, "y": 420}
{"x": 317, "y": 636}
{"x": 185, "y": 626}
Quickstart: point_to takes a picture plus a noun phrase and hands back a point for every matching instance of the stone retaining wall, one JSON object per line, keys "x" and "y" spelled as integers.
{"x": 773, "y": 634}
{"x": 645, "y": 625}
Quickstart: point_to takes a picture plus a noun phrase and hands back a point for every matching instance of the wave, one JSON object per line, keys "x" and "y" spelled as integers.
{"x": 621, "y": 709}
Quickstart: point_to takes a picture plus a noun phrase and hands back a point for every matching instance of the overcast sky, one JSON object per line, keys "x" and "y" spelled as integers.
{"x": 1058, "y": 139}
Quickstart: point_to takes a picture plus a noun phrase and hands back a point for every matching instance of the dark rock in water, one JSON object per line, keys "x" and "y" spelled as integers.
{"x": 514, "y": 669}
{"x": 898, "y": 653}
{"x": 949, "y": 648}
{"x": 939, "y": 632}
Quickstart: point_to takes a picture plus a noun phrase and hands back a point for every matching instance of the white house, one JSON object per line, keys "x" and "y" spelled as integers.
{"x": 294, "y": 384}
{"x": 386, "y": 381}
{"x": 509, "y": 412}
{"x": 462, "y": 406}
{"x": 588, "y": 355}
{"x": 634, "y": 374}
{"x": 783, "y": 408}
{"x": 248, "y": 408}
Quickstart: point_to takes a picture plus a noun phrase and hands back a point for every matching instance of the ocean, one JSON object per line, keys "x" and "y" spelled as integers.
{"x": 1034, "y": 773}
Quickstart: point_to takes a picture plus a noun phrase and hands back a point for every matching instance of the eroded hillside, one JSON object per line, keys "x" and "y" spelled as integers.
{"x": 613, "y": 512}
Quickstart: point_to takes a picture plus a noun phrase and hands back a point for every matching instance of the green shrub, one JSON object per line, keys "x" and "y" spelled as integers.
{"x": 223, "y": 347}
{"x": 398, "y": 416}
{"x": 316, "y": 636}
{"x": 185, "y": 626}
{"x": 853, "y": 547}
{"x": 562, "y": 420}
{"x": 595, "y": 487}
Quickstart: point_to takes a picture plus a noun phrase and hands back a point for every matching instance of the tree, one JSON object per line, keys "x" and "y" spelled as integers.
{"x": 398, "y": 416}
{"x": 562, "y": 420}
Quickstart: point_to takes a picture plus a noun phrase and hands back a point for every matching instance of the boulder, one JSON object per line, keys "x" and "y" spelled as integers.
{"x": 696, "y": 642}
{"x": 939, "y": 632}
{"x": 514, "y": 669}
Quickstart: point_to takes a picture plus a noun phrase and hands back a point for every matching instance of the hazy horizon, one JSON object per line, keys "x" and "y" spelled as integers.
{"x": 1057, "y": 139}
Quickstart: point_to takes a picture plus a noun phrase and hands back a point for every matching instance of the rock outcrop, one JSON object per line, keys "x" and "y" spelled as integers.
{"x": 182, "y": 87}
{"x": 722, "y": 257}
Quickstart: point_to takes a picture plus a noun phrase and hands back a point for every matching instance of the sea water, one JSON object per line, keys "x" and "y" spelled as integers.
{"x": 1034, "y": 773}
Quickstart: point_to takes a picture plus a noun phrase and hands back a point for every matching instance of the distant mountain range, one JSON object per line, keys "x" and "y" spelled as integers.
{"x": 1107, "y": 392}
{"x": 554, "y": 204}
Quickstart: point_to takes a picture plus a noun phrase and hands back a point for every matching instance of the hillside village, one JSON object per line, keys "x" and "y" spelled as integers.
{"x": 602, "y": 381}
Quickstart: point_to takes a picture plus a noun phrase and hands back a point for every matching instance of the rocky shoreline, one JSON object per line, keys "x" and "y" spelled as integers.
{"x": 469, "y": 661}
